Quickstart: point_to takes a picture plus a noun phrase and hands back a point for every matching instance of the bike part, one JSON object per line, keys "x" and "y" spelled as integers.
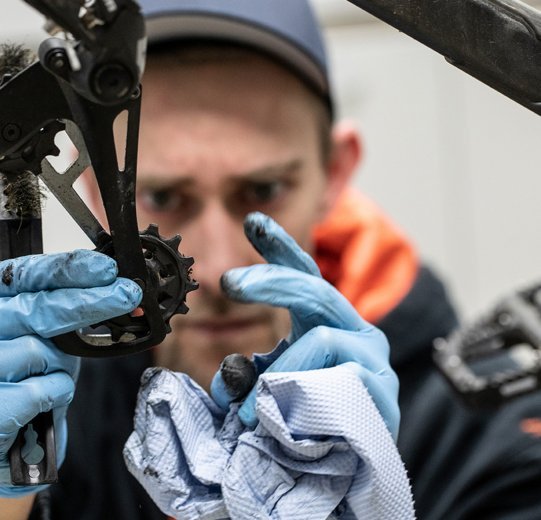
{"x": 90, "y": 128}
{"x": 104, "y": 59}
{"x": 498, "y": 357}
{"x": 170, "y": 276}
{"x": 496, "y": 41}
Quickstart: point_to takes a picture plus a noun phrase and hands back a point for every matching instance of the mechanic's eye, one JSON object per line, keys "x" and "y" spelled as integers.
{"x": 160, "y": 200}
{"x": 256, "y": 193}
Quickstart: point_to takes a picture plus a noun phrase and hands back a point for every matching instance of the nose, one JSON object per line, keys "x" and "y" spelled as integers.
{"x": 217, "y": 242}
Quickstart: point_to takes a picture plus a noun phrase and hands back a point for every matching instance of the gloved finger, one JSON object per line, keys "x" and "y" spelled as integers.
{"x": 237, "y": 374}
{"x": 49, "y": 313}
{"x": 275, "y": 245}
{"x": 220, "y": 393}
{"x": 311, "y": 300}
{"x": 235, "y": 378}
{"x": 31, "y": 355}
{"x": 80, "y": 268}
{"x": 22, "y": 401}
{"x": 324, "y": 347}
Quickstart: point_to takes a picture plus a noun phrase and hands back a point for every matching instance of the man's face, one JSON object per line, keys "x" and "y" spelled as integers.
{"x": 218, "y": 140}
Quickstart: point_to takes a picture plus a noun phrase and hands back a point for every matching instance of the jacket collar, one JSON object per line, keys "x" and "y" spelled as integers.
{"x": 365, "y": 256}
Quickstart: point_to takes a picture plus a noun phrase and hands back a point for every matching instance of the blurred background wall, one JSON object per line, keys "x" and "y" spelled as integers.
{"x": 455, "y": 163}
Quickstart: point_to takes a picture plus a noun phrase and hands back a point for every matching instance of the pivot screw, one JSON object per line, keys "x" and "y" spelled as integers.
{"x": 11, "y": 132}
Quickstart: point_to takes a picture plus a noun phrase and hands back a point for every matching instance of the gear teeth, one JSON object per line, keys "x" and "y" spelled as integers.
{"x": 174, "y": 242}
{"x": 152, "y": 229}
{"x": 173, "y": 263}
{"x": 187, "y": 261}
{"x": 182, "y": 308}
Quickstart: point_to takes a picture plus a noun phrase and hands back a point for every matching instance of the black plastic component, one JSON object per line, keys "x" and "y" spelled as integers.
{"x": 39, "y": 123}
{"x": 43, "y": 472}
{"x": 496, "y": 41}
{"x": 498, "y": 357}
{"x": 106, "y": 63}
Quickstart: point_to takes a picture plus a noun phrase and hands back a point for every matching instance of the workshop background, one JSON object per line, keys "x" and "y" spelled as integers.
{"x": 454, "y": 162}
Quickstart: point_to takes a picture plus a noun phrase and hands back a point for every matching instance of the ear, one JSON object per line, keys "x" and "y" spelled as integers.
{"x": 344, "y": 159}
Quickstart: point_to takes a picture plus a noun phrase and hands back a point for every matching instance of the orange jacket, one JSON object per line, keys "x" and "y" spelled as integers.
{"x": 365, "y": 256}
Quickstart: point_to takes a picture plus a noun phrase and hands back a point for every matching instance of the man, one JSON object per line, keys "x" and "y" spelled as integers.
{"x": 262, "y": 148}
{"x": 229, "y": 129}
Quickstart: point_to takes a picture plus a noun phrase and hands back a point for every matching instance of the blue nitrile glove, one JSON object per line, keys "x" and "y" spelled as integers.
{"x": 326, "y": 329}
{"x": 42, "y": 296}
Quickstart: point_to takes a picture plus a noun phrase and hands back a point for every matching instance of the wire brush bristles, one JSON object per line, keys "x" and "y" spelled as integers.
{"x": 14, "y": 58}
{"x": 21, "y": 193}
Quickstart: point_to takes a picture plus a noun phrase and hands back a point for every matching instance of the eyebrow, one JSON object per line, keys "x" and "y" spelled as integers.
{"x": 272, "y": 171}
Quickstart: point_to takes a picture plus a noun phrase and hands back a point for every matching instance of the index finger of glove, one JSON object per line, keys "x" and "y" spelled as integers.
{"x": 78, "y": 269}
{"x": 31, "y": 355}
{"x": 311, "y": 300}
{"x": 275, "y": 245}
{"x": 50, "y": 313}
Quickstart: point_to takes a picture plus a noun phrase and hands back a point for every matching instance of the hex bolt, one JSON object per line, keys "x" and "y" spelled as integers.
{"x": 57, "y": 60}
{"x": 11, "y": 132}
{"x": 112, "y": 82}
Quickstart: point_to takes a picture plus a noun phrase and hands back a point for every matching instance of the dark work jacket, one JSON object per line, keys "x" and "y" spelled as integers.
{"x": 462, "y": 464}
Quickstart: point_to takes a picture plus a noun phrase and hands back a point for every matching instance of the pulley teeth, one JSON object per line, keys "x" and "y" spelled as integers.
{"x": 174, "y": 242}
{"x": 145, "y": 231}
{"x": 152, "y": 229}
{"x": 170, "y": 278}
{"x": 170, "y": 263}
{"x": 187, "y": 261}
{"x": 182, "y": 308}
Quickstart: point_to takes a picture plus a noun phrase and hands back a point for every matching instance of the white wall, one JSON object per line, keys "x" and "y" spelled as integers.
{"x": 454, "y": 162}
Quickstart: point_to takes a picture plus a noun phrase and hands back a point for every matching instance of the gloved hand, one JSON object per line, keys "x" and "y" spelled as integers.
{"x": 42, "y": 296}
{"x": 326, "y": 329}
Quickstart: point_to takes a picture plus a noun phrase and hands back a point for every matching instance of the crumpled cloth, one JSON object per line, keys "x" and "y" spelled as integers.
{"x": 321, "y": 450}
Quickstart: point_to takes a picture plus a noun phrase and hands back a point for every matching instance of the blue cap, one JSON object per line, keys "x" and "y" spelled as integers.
{"x": 284, "y": 29}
